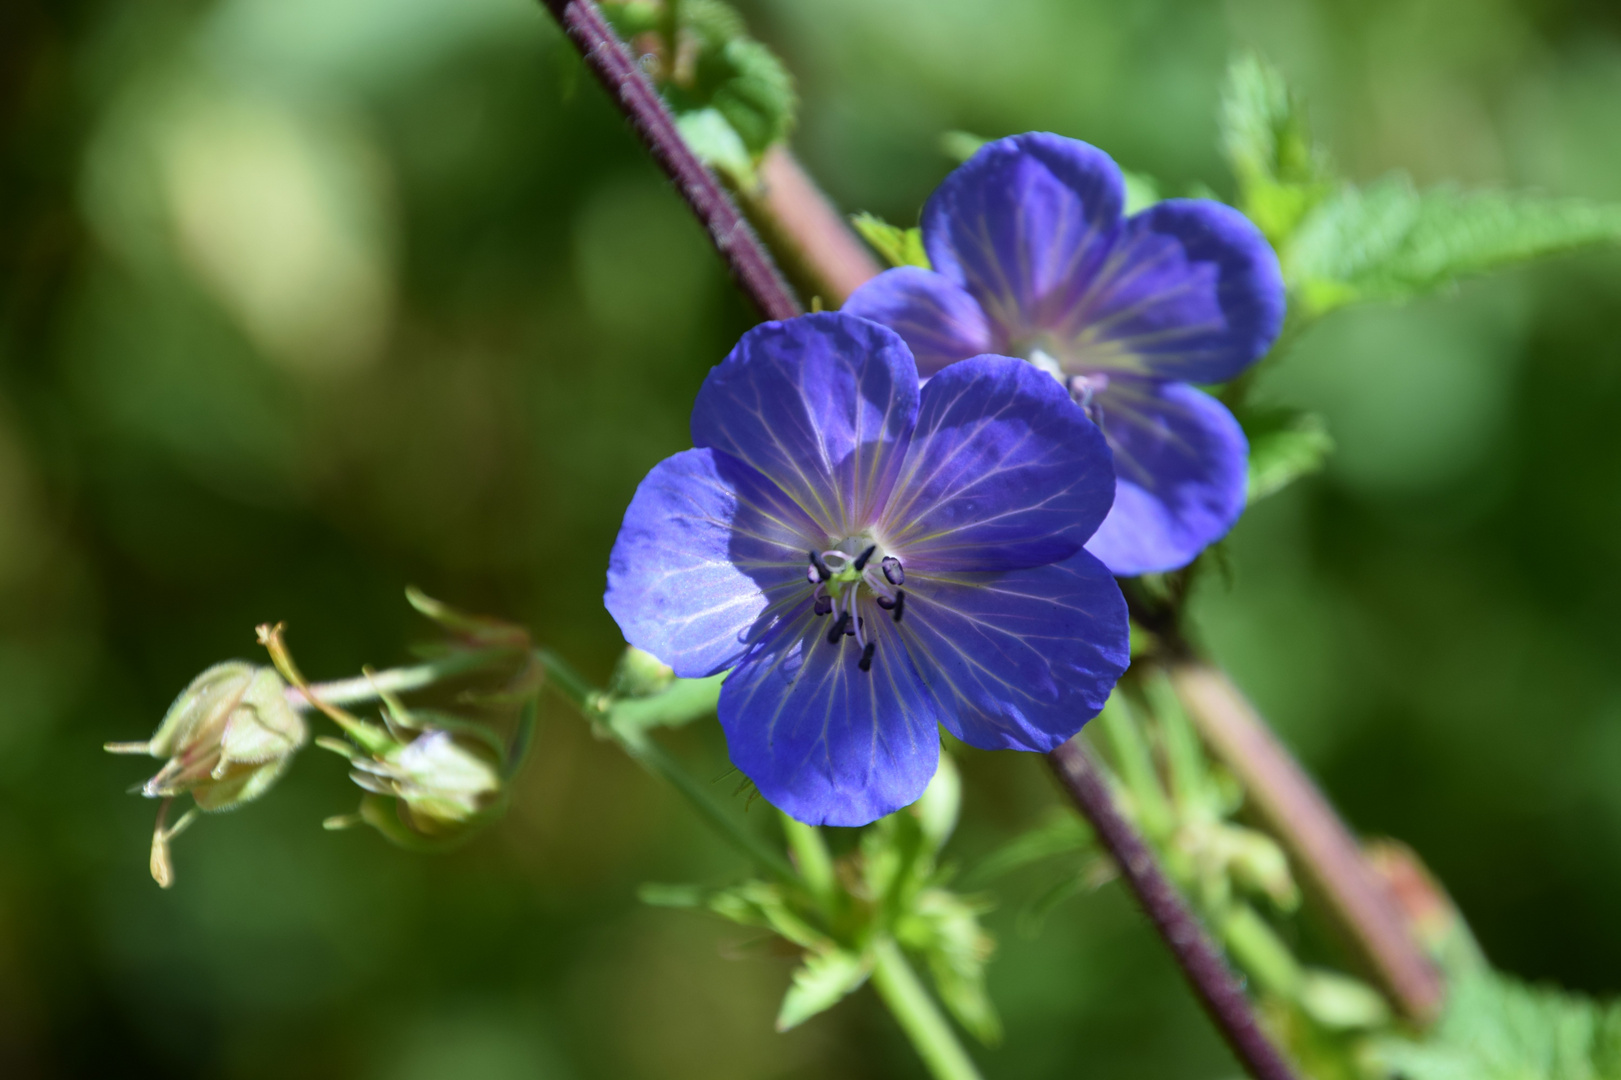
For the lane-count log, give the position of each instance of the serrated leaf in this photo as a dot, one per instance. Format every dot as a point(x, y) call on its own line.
point(1390, 241)
point(757, 903)
point(1496, 1028)
point(717, 144)
point(821, 982)
point(898, 246)
point(944, 928)
point(1285, 446)
point(757, 96)
point(1281, 173)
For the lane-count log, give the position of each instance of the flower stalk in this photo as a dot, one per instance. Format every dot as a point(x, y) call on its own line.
point(635, 96)
point(897, 984)
point(1212, 980)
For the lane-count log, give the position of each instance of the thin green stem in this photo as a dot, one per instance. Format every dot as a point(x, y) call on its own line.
point(918, 1016)
point(592, 704)
point(401, 680)
point(655, 760)
point(814, 862)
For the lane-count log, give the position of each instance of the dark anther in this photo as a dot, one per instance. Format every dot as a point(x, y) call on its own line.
point(861, 560)
point(837, 632)
point(892, 570)
point(850, 631)
point(821, 567)
point(865, 663)
point(886, 603)
point(900, 605)
point(824, 605)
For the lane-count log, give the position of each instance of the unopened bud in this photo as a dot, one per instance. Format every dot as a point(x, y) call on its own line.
point(640, 674)
point(227, 738)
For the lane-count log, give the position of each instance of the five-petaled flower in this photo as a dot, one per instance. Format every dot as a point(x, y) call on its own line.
point(871, 560)
point(1032, 258)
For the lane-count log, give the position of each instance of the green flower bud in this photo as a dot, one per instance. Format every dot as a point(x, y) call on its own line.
point(227, 739)
point(443, 785)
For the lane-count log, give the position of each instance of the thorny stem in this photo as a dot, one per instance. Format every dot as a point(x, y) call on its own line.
point(1201, 962)
point(918, 1016)
point(631, 90)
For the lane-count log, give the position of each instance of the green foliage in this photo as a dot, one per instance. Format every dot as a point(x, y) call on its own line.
point(1281, 173)
point(898, 246)
point(1390, 241)
point(822, 981)
point(1285, 445)
point(1496, 1028)
point(732, 97)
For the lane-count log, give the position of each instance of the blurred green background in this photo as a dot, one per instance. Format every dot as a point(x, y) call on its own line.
point(305, 300)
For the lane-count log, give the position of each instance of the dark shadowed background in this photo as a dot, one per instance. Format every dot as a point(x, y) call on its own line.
point(302, 301)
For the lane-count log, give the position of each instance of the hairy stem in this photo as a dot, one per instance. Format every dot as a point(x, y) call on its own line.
point(631, 90)
point(918, 1016)
point(1324, 850)
point(821, 254)
point(1201, 962)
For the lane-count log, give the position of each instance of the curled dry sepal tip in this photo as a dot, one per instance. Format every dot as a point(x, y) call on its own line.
point(871, 560)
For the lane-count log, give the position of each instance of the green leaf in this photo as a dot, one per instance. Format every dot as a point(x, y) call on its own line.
point(1285, 445)
point(717, 144)
point(758, 903)
point(959, 146)
point(944, 928)
point(1062, 834)
point(898, 246)
point(1390, 241)
point(1281, 173)
point(1496, 1028)
point(822, 981)
point(654, 894)
point(1142, 191)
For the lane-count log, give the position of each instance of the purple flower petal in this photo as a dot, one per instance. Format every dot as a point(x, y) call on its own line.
point(1003, 471)
point(1191, 291)
point(1019, 661)
point(710, 554)
point(823, 740)
point(939, 320)
point(1021, 220)
point(1182, 466)
point(820, 405)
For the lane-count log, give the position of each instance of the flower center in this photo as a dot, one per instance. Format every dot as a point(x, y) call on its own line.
point(1083, 389)
point(841, 575)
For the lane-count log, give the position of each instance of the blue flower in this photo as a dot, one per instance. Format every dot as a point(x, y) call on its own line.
point(871, 560)
point(1033, 258)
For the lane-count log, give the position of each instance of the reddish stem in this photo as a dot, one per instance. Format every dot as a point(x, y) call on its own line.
point(632, 91)
point(1212, 980)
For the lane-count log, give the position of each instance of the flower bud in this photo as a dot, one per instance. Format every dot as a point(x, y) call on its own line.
point(227, 738)
point(443, 785)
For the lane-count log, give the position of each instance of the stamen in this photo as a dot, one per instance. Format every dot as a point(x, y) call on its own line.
point(886, 602)
point(865, 663)
point(854, 629)
point(861, 560)
point(822, 572)
point(892, 570)
point(839, 626)
point(900, 604)
point(824, 604)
